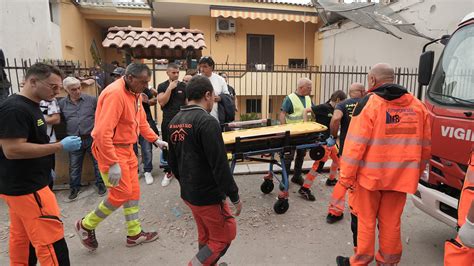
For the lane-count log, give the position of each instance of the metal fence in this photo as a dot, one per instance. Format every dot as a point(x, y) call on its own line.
point(280, 80)
point(252, 81)
point(16, 70)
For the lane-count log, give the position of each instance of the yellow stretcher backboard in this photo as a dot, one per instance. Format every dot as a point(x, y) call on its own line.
point(295, 129)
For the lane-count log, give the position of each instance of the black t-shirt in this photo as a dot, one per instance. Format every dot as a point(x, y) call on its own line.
point(347, 108)
point(177, 99)
point(146, 106)
point(323, 115)
point(21, 117)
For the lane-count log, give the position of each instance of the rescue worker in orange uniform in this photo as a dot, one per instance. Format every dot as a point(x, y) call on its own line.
point(25, 166)
point(386, 151)
point(323, 114)
point(460, 251)
point(119, 120)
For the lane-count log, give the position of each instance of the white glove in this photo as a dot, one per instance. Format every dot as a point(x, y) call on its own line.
point(466, 234)
point(161, 144)
point(115, 173)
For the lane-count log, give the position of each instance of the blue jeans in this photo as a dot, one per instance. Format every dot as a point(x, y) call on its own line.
point(76, 158)
point(147, 153)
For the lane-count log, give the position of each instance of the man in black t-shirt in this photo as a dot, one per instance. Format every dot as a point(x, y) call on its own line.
point(25, 171)
point(322, 114)
point(148, 99)
point(171, 96)
point(343, 113)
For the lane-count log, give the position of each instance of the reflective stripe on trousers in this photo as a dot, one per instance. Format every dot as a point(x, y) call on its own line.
point(130, 210)
point(92, 220)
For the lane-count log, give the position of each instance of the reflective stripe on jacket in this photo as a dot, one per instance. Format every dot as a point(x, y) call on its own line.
point(298, 108)
point(388, 142)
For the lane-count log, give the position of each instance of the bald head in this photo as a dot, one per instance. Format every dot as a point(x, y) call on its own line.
point(379, 74)
point(304, 86)
point(356, 90)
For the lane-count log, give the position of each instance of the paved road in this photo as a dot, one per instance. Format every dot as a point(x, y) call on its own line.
point(299, 237)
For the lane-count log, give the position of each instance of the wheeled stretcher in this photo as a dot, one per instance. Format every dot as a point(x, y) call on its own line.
point(270, 141)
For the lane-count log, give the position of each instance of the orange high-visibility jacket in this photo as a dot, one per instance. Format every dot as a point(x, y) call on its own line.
point(119, 120)
point(467, 193)
point(388, 142)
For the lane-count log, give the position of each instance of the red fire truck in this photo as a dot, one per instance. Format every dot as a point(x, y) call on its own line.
point(450, 100)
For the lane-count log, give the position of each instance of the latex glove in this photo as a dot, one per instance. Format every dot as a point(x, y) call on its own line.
point(115, 173)
point(161, 144)
point(466, 234)
point(330, 141)
point(71, 143)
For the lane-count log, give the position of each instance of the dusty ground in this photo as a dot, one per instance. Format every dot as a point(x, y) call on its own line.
point(299, 237)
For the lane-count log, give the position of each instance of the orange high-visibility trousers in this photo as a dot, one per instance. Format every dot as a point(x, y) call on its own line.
point(35, 218)
point(126, 193)
point(455, 253)
point(330, 152)
point(385, 208)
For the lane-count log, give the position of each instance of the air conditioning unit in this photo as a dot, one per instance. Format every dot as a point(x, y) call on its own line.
point(225, 25)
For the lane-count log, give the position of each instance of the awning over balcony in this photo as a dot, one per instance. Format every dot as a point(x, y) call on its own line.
point(156, 42)
point(264, 14)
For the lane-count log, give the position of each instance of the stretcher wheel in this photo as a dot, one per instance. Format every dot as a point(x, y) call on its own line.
point(281, 206)
point(317, 153)
point(267, 186)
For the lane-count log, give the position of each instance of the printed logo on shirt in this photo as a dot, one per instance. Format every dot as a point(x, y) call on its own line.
point(391, 119)
point(40, 122)
point(178, 136)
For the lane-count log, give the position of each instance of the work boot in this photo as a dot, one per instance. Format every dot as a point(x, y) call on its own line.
point(142, 237)
point(74, 193)
point(148, 178)
point(166, 179)
point(297, 180)
point(101, 189)
point(86, 236)
point(330, 219)
point(343, 261)
point(306, 194)
point(331, 182)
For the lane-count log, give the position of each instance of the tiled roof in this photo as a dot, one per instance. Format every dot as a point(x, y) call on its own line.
point(108, 3)
point(131, 37)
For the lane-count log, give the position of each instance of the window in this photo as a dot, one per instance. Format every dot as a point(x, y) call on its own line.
point(260, 52)
point(297, 63)
point(253, 106)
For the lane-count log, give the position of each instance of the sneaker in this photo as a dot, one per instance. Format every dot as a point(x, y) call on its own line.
point(86, 236)
point(141, 238)
point(166, 179)
point(306, 193)
point(330, 219)
point(148, 178)
point(297, 180)
point(331, 182)
point(101, 189)
point(343, 261)
point(74, 193)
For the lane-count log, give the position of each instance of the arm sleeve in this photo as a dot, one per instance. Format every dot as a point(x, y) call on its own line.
point(361, 127)
point(15, 124)
point(286, 106)
point(214, 149)
point(225, 90)
point(145, 129)
point(107, 116)
point(426, 143)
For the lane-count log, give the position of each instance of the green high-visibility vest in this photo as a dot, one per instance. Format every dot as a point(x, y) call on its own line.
point(298, 107)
